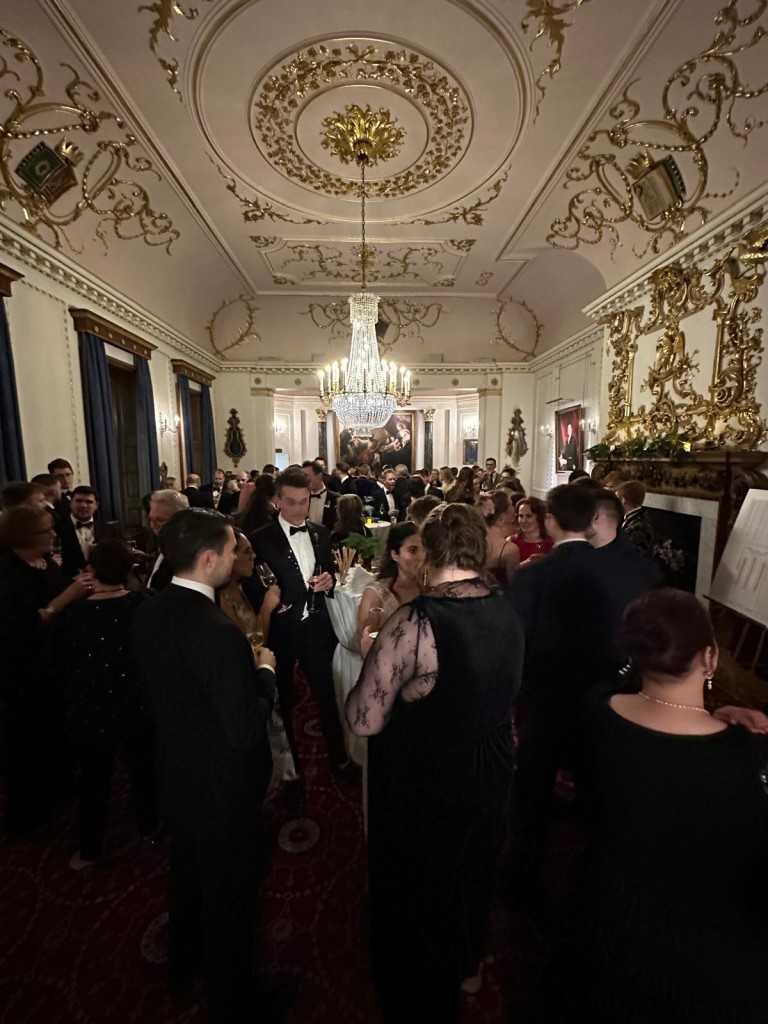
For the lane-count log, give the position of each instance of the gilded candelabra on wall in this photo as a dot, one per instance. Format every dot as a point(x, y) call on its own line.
point(234, 442)
point(36, 177)
point(402, 319)
point(708, 85)
point(517, 444)
point(549, 18)
point(502, 336)
point(728, 411)
point(242, 334)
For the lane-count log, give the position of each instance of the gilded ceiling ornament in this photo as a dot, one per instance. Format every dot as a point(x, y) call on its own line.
point(419, 263)
point(405, 320)
point(471, 214)
point(243, 334)
point(362, 134)
point(164, 12)
point(462, 244)
point(549, 18)
point(35, 179)
point(709, 86)
point(285, 89)
point(265, 241)
point(484, 278)
point(754, 248)
point(502, 337)
point(726, 410)
point(257, 209)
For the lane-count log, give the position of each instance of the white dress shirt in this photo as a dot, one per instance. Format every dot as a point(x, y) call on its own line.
point(316, 506)
point(201, 588)
point(390, 498)
point(158, 562)
point(304, 552)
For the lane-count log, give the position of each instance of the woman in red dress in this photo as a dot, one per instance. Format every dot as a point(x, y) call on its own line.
point(532, 540)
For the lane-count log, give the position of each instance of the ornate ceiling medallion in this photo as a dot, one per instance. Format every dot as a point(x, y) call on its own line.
point(362, 134)
point(703, 93)
point(423, 98)
point(36, 178)
point(549, 17)
point(502, 336)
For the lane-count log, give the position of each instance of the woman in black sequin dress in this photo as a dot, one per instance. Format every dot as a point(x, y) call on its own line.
point(103, 700)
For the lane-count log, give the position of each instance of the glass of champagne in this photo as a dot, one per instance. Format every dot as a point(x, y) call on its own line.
point(268, 579)
point(256, 639)
point(374, 622)
point(312, 599)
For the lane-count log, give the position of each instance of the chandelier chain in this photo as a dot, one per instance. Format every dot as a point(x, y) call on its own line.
point(363, 253)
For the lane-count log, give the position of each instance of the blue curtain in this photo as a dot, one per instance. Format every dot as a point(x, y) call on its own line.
point(12, 464)
point(186, 419)
point(209, 435)
point(149, 459)
point(99, 424)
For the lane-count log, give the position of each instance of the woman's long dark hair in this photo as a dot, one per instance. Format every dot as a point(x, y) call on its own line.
point(259, 510)
point(396, 537)
point(349, 515)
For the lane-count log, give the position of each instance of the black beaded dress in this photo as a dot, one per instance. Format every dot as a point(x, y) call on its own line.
point(670, 918)
point(439, 683)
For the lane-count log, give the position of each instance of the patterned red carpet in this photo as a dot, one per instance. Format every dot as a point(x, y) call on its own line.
point(89, 948)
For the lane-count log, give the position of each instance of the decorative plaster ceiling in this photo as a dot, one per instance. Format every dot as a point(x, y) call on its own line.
point(221, 108)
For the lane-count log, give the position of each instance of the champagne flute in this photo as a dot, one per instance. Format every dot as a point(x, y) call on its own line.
point(374, 622)
point(255, 639)
point(312, 600)
point(268, 579)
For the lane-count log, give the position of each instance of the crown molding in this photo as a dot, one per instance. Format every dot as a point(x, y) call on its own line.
point(576, 345)
point(708, 243)
point(60, 268)
point(91, 323)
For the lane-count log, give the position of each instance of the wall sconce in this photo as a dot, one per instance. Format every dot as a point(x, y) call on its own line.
point(164, 425)
point(589, 426)
point(470, 429)
point(547, 430)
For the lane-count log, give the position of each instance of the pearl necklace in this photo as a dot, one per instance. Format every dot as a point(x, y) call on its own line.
point(669, 704)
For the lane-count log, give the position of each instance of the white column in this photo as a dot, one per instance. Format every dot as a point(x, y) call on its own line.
point(490, 437)
point(261, 448)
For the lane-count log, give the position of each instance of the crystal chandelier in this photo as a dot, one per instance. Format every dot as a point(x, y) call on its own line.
point(363, 390)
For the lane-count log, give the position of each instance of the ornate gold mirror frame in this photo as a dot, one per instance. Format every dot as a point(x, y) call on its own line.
point(729, 412)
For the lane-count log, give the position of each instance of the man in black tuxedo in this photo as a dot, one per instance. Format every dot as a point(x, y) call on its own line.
point(331, 482)
point(322, 502)
point(490, 476)
point(196, 497)
point(163, 506)
point(386, 506)
point(64, 473)
point(346, 483)
point(299, 554)
point(570, 604)
point(215, 488)
point(211, 704)
point(80, 529)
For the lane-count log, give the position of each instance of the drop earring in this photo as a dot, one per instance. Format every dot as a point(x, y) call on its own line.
point(708, 684)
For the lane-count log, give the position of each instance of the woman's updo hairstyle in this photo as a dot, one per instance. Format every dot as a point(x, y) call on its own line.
point(664, 630)
point(455, 535)
point(492, 505)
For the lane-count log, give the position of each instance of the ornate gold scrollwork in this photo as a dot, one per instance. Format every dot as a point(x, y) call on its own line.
point(729, 412)
point(713, 80)
point(406, 319)
point(164, 12)
point(362, 134)
point(243, 334)
point(472, 213)
point(101, 189)
point(408, 262)
point(550, 23)
point(501, 337)
point(438, 97)
point(257, 209)
point(484, 278)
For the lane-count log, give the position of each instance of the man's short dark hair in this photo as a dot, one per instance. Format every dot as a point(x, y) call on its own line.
point(316, 468)
point(59, 464)
point(575, 474)
point(490, 458)
point(343, 467)
point(305, 464)
point(18, 492)
point(573, 508)
point(269, 468)
point(291, 478)
point(190, 532)
point(85, 489)
point(44, 480)
point(607, 503)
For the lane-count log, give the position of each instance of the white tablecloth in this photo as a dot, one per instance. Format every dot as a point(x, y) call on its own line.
point(347, 660)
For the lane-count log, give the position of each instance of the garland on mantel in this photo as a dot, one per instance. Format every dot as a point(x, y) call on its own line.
point(676, 447)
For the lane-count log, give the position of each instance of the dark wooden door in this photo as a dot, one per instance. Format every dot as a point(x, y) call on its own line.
point(123, 382)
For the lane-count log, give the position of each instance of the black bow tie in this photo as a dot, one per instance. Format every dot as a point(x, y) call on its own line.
point(85, 526)
point(298, 529)
point(318, 495)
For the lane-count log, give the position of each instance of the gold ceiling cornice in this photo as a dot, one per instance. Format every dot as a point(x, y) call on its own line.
point(88, 322)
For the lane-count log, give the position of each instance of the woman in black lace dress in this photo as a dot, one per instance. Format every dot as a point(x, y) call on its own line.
point(436, 701)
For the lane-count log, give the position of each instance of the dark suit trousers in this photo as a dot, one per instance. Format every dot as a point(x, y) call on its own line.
point(97, 764)
point(312, 646)
point(212, 894)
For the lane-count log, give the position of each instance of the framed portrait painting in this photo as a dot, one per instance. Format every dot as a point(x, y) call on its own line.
point(391, 445)
point(470, 451)
point(569, 448)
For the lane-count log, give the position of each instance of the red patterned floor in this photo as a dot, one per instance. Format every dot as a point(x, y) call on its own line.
point(81, 949)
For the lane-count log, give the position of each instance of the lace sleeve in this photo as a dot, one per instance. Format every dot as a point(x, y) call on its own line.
point(403, 660)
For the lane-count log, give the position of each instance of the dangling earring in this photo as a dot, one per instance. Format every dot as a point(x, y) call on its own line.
point(424, 580)
point(708, 683)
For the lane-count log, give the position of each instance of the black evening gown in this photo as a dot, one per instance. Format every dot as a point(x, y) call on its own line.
point(438, 787)
point(670, 917)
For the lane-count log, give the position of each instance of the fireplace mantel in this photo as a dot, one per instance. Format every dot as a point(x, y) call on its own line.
point(723, 475)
